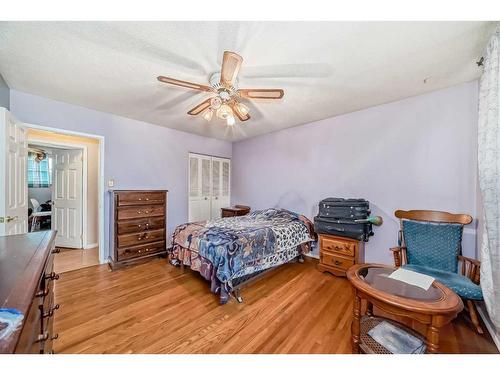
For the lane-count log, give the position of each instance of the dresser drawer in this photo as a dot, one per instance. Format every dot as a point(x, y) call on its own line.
point(337, 246)
point(139, 251)
point(140, 212)
point(140, 198)
point(140, 225)
point(336, 261)
point(141, 238)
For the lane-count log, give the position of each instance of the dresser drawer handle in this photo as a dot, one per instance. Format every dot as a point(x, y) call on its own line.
point(51, 311)
point(52, 276)
point(55, 337)
point(147, 212)
point(42, 293)
point(43, 337)
point(145, 237)
point(139, 212)
point(338, 263)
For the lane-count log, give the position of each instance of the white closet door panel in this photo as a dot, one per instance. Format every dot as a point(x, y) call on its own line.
point(199, 187)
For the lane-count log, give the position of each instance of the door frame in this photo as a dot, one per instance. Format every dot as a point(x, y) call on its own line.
point(73, 146)
point(101, 181)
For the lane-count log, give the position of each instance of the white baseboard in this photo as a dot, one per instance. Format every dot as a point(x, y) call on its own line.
point(91, 246)
point(495, 335)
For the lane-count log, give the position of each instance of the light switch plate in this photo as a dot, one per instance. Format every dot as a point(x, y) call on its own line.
point(111, 183)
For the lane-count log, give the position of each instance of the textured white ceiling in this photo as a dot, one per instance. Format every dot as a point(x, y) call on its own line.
point(325, 68)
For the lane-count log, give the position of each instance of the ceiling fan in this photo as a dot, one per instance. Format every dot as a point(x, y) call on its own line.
point(226, 96)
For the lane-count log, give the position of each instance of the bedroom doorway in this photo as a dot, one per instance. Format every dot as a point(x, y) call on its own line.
point(209, 186)
point(63, 194)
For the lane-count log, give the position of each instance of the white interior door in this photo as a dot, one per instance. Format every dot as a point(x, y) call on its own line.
point(225, 197)
point(199, 187)
point(220, 185)
point(67, 197)
point(13, 175)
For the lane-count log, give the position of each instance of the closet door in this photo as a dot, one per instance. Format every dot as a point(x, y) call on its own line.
point(199, 187)
point(220, 185)
point(225, 199)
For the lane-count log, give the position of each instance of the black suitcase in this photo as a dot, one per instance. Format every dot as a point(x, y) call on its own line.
point(343, 228)
point(339, 208)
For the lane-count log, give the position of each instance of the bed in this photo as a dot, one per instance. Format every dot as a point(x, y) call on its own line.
point(232, 251)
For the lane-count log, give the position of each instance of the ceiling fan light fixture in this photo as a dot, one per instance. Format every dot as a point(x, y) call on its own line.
point(224, 112)
point(215, 103)
point(242, 109)
point(208, 114)
point(230, 120)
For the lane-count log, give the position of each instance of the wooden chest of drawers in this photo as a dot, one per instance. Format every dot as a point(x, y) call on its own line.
point(26, 284)
point(138, 227)
point(337, 254)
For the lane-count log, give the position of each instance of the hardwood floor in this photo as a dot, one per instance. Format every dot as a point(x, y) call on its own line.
point(156, 308)
point(74, 259)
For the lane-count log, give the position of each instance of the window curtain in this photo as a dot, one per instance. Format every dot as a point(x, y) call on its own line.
point(489, 176)
point(39, 172)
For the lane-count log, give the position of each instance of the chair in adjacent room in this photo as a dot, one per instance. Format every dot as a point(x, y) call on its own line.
point(37, 214)
point(430, 242)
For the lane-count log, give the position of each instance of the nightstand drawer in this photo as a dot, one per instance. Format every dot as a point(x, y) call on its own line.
point(332, 245)
point(336, 261)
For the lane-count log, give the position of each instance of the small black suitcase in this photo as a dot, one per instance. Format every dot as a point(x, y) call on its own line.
point(343, 228)
point(340, 208)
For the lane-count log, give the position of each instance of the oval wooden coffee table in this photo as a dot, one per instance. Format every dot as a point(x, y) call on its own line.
point(435, 307)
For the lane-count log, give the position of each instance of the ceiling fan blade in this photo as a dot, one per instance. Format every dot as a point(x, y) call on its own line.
point(261, 93)
point(189, 85)
point(237, 112)
point(200, 107)
point(231, 64)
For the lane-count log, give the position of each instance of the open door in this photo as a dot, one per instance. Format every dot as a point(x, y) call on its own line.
point(13, 176)
point(67, 198)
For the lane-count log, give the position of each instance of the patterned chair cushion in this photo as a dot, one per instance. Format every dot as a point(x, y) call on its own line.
point(461, 285)
point(435, 245)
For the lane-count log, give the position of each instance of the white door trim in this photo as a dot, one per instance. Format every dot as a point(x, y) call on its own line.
point(101, 188)
point(75, 146)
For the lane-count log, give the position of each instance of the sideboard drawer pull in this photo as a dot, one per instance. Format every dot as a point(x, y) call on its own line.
point(52, 276)
point(42, 293)
point(43, 337)
point(51, 311)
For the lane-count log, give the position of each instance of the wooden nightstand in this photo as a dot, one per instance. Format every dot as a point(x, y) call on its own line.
point(237, 210)
point(337, 254)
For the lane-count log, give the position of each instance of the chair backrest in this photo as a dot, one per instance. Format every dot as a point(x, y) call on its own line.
point(36, 204)
point(432, 238)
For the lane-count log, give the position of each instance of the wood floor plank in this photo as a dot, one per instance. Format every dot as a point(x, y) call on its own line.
point(156, 308)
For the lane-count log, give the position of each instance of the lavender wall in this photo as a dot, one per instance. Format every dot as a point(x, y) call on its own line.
point(417, 153)
point(138, 155)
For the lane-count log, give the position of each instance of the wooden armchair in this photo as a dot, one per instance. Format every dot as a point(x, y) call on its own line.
point(430, 243)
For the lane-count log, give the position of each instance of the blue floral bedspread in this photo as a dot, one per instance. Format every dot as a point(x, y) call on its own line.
point(229, 248)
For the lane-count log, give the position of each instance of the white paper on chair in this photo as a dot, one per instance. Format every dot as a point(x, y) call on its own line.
point(413, 278)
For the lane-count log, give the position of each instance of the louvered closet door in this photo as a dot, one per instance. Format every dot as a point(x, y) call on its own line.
point(199, 187)
point(220, 185)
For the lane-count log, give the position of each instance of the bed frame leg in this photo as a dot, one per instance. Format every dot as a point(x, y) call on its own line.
point(237, 295)
point(300, 259)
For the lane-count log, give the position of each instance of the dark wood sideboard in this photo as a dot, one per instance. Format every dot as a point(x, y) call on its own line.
point(138, 226)
point(26, 284)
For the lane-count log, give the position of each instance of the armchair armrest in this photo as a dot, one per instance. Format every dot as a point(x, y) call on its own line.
point(470, 268)
point(399, 254)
